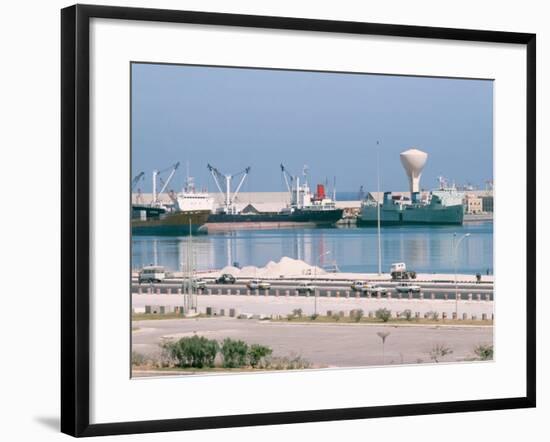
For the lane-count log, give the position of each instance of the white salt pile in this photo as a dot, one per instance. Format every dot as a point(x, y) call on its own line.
point(285, 268)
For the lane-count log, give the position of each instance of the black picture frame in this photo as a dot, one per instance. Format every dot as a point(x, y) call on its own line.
point(75, 212)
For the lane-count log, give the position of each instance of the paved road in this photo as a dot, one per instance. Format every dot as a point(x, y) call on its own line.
point(439, 292)
point(327, 345)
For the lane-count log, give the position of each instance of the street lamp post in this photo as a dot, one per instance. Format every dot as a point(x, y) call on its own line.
point(455, 252)
point(315, 277)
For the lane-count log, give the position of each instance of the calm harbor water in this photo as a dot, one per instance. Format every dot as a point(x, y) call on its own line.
point(424, 249)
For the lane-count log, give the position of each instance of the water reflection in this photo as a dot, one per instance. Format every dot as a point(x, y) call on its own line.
point(424, 249)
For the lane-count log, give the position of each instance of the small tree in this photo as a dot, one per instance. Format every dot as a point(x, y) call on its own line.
point(257, 352)
point(383, 336)
point(297, 312)
point(407, 314)
point(439, 351)
point(234, 353)
point(484, 352)
point(383, 314)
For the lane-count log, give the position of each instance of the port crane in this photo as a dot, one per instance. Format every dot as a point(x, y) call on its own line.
point(164, 183)
point(229, 206)
point(136, 179)
point(294, 190)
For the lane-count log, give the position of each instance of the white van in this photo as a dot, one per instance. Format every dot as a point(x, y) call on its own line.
point(152, 274)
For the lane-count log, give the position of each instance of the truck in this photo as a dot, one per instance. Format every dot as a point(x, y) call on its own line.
point(399, 272)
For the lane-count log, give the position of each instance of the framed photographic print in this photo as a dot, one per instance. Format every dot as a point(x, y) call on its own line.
point(273, 220)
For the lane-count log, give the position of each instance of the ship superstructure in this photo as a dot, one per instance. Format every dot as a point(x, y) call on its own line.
point(442, 206)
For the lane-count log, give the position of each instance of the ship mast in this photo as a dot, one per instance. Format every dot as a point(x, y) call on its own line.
point(378, 207)
point(218, 176)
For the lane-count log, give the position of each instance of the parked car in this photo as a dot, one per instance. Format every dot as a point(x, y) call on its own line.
point(305, 287)
point(198, 283)
point(152, 274)
point(258, 284)
point(365, 287)
point(359, 286)
point(378, 289)
point(226, 278)
point(406, 287)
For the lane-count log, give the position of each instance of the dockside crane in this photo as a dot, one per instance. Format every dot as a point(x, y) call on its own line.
point(164, 183)
point(226, 187)
point(137, 179)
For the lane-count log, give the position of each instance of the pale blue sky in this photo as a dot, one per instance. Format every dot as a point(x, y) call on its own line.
point(233, 118)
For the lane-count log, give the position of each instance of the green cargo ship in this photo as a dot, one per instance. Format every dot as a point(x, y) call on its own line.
point(443, 207)
point(148, 220)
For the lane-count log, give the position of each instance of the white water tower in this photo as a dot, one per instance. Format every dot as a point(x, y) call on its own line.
point(413, 161)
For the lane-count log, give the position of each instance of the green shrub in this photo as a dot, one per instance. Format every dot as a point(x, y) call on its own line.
point(258, 352)
point(314, 316)
point(138, 359)
point(195, 351)
point(407, 314)
point(234, 353)
point(297, 312)
point(358, 314)
point(383, 314)
point(439, 351)
point(484, 352)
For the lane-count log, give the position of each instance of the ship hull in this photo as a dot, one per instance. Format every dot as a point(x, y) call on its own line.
point(270, 220)
point(444, 215)
point(172, 224)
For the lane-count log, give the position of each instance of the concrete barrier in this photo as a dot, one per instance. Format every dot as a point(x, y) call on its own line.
point(328, 293)
point(257, 292)
point(487, 297)
point(432, 295)
point(446, 296)
point(337, 294)
point(399, 295)
point(347, 293)
point(277, 292)
point(247, 292)
point(357, 294)
point(158, 290)
point(169, 291)
point(469, 296)
point(478, 296)
point(287, 293)
point(378, 295)
point(410, 295)
point(296, 293)
point(149, 290)
point(421, 295)
point(219, 291)
point(459, 296)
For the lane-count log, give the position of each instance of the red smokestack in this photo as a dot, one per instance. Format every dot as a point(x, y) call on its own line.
point(320, 191)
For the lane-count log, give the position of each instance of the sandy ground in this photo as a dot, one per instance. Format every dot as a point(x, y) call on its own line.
point(325, 345)
point(283, 305)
